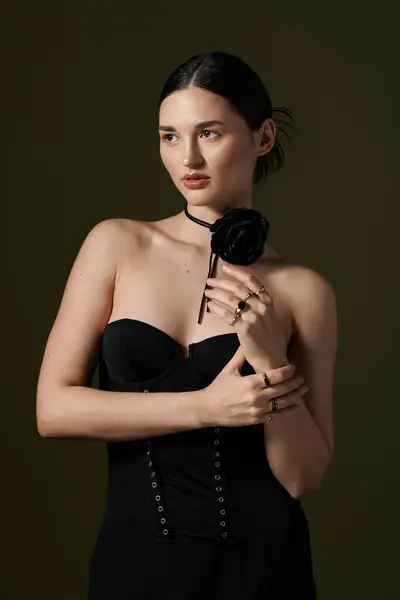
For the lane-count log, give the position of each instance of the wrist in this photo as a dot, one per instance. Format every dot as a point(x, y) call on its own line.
point(269, 363)
point(203, 410)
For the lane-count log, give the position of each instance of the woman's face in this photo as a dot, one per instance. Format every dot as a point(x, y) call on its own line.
point(226, 151)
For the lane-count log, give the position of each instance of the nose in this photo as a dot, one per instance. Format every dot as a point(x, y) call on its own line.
point(192, 156)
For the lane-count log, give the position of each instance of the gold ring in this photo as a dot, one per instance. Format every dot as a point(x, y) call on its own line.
point(274, 406)
point(262, 288)
point(241, 307)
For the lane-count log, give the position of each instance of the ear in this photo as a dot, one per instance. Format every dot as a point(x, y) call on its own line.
point(267, 134)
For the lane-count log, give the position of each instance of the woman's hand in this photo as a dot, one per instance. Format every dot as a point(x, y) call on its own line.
point(258, 328)
point(234, 400)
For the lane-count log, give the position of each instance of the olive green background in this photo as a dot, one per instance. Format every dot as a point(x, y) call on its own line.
point(79, 140)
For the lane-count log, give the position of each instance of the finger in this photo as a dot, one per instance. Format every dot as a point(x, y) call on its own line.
point(284, 386)
point(236, 362)
point(224, 289)
point(281, 389)
point(268, 417)
point(278, 375)
point(287, 400)
point(228, 294)
point(245, 277)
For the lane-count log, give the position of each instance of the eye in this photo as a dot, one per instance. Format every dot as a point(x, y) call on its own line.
point(166, 136)
point(209, 131)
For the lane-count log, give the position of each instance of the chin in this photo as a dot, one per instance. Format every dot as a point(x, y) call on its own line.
point(198, 197)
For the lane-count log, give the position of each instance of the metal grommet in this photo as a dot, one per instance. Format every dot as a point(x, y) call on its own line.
point(158, 497)
point(160, 508)
point(217, 477)
point(153, 474)
point(145, 391)
point(217, 454)
point(222, 511)
point(216, 442)
point(162, 520)
point(221, 499)
point(154, 484)
point(222, 523)
point(165, 531)
point(224, 534)
point(218, 488)
point(216, 430)
point(217, 463)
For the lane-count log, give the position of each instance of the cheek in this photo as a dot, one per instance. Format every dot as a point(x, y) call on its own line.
point(234, 160)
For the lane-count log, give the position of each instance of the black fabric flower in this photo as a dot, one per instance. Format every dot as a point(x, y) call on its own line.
point(239, 236)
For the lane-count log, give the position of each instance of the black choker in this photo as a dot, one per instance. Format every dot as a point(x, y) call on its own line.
point(238, 237)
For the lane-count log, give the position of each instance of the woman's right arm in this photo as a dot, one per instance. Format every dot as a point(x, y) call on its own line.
point(66, 405)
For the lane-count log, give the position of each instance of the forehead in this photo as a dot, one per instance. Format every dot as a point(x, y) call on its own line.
point(194, 104)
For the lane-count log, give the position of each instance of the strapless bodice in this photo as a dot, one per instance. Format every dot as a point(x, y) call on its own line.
point(138, 352)
point(214, 482)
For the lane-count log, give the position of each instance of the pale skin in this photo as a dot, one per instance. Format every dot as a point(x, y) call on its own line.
point(299, 443)
point(148, 256)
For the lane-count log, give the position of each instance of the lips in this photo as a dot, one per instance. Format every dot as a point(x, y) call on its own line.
point(196, 183)
point(196, 177)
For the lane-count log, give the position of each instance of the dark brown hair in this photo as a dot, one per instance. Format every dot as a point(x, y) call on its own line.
point(232, 78)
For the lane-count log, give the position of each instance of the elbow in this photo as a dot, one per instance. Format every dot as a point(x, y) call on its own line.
point(301, 491)
point(308, 486)
point(304, 488)
point(44, 426)
point(46, 421)
point(45, 431)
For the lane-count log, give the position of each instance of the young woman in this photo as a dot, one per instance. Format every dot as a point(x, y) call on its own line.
point(212, 436)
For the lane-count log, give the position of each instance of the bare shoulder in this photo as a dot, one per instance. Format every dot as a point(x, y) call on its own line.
point(305, 293)
point(133, 231)
point(295, 284)
point(112, 232)
point(72, 346)
point(313, 305)
point(125, 230)
point(302, 284)
point(128, 237)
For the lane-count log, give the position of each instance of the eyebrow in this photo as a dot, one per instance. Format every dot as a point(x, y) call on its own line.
point(201, 125)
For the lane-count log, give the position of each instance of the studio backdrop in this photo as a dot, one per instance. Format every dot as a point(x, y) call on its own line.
point(79, 133)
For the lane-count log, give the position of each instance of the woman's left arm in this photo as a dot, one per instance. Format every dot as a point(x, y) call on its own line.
point(299, 442)
point(299, 439)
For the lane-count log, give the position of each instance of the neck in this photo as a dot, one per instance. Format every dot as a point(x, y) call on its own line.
point(196, 233)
